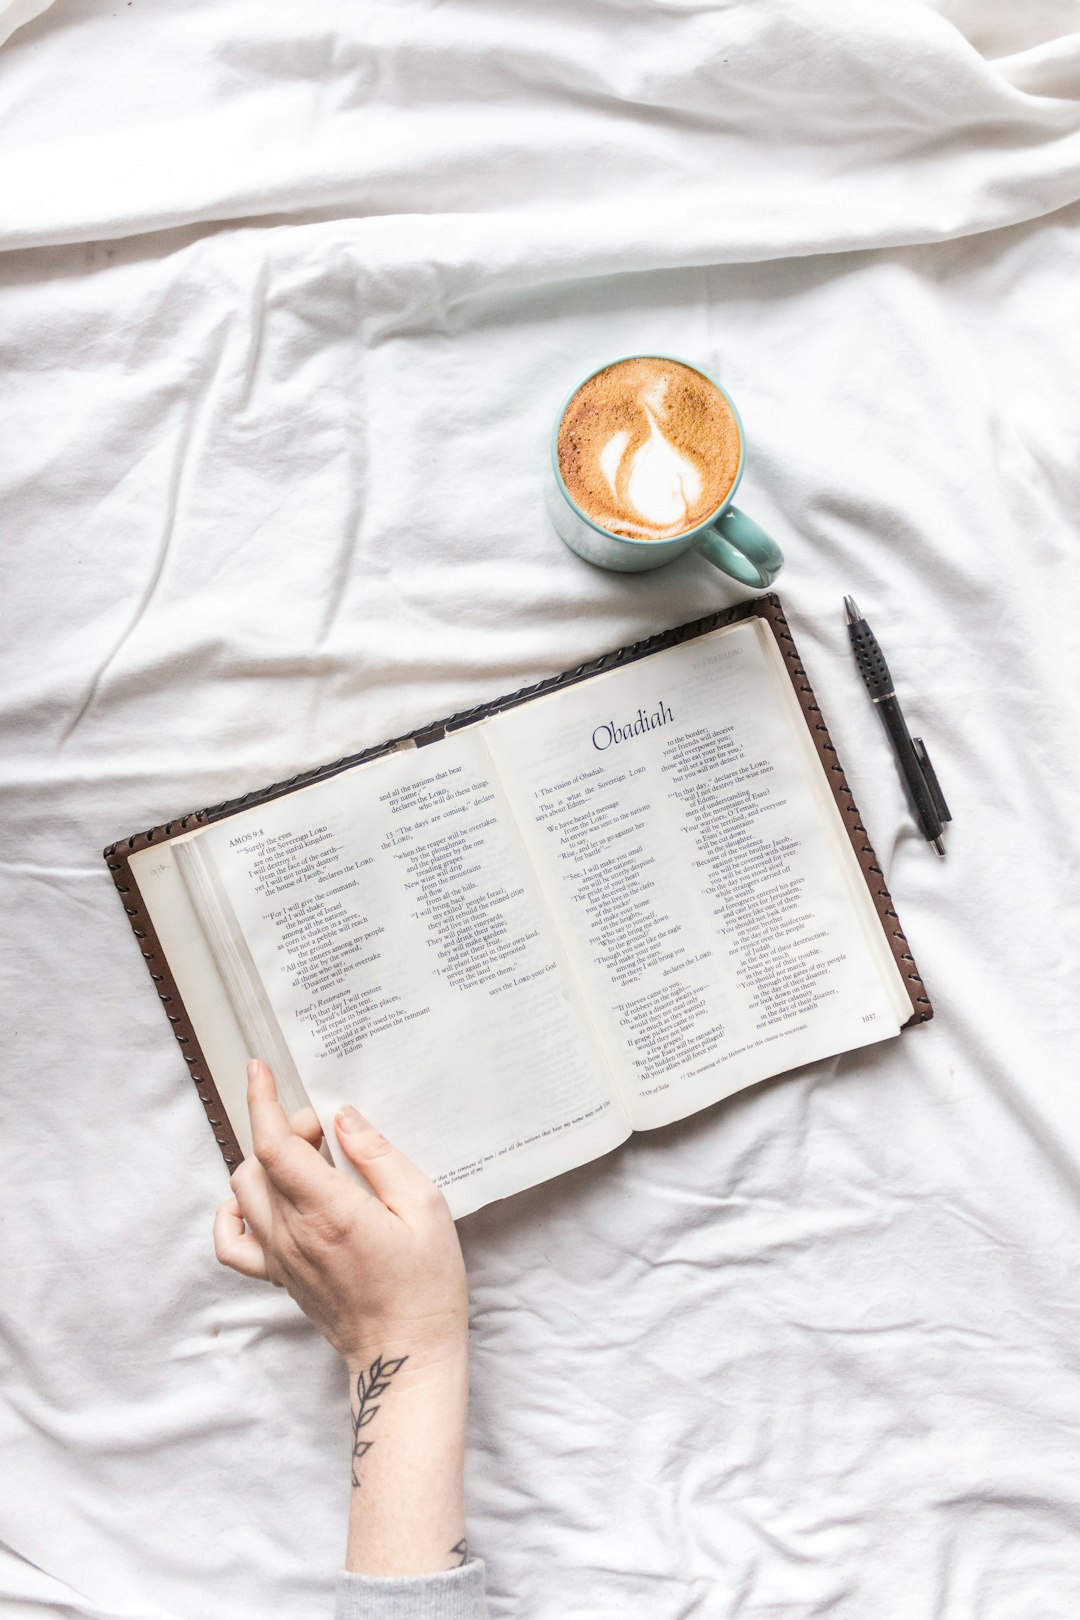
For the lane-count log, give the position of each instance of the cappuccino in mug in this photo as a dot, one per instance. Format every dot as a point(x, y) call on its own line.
point(648, 448)
point(646, 456)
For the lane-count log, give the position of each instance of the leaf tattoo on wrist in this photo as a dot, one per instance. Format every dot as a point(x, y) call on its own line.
point(460, 1551)
point(368, 1389)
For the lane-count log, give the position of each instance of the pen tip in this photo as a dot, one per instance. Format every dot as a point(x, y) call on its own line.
point(938, 845)
point(851, 607)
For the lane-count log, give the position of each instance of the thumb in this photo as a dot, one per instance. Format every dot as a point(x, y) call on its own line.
point(393, 1178)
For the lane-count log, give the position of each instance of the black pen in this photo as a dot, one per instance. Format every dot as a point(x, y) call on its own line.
point(923, 789)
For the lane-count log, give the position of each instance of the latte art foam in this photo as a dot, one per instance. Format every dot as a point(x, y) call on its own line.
point(648, 448)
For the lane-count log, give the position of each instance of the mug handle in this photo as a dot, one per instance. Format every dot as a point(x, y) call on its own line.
point(735, 543)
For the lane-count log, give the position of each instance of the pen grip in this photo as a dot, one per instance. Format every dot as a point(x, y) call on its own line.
point(910, 768)
point(870, 660)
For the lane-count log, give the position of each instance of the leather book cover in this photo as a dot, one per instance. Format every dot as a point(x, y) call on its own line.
point(766, 607)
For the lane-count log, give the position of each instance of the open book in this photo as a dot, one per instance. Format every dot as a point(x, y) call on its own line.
point(514, 939)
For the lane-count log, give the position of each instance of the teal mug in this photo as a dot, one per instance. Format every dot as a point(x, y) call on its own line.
point(726, 537)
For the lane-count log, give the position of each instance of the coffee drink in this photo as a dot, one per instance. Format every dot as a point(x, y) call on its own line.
point(649, 448)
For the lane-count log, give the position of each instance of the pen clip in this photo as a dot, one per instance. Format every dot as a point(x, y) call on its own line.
point(933, 786)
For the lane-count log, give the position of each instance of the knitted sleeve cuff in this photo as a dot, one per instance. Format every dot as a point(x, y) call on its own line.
point(451, 1594)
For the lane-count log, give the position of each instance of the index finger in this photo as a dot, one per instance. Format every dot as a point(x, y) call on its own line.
point(292, 1165)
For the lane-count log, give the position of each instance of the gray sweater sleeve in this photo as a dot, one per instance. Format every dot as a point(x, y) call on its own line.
point(452, 1594)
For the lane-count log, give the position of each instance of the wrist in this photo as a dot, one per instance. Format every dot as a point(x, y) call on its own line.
point(430, 1347)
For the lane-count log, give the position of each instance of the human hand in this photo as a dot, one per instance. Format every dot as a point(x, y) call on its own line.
point(373, 1270)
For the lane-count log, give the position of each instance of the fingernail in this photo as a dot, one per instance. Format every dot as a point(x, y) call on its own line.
point(253, 1068)
point(349, 1119)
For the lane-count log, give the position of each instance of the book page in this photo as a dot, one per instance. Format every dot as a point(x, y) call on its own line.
point(697, 866)
point(407, 956)
point(183, 941)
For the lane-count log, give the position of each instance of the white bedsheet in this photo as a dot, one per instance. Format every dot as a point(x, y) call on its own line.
point(288, 297)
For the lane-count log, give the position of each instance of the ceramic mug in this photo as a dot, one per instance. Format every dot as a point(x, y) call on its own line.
point(726, 537)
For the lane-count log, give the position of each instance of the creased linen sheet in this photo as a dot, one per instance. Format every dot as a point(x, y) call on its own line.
point(288, 299)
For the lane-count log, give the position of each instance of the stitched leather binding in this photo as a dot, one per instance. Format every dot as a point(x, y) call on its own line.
point(767, 607)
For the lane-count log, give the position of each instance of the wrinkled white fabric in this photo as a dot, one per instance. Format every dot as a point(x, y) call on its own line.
point(288, 299)
point(13, 13)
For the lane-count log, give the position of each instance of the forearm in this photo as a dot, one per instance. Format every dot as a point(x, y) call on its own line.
point(379, 1271)
point(407, 1502)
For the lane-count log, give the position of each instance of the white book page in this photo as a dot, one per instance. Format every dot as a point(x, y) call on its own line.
point(183, 941)
point(406, 953)
point(703, 884)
